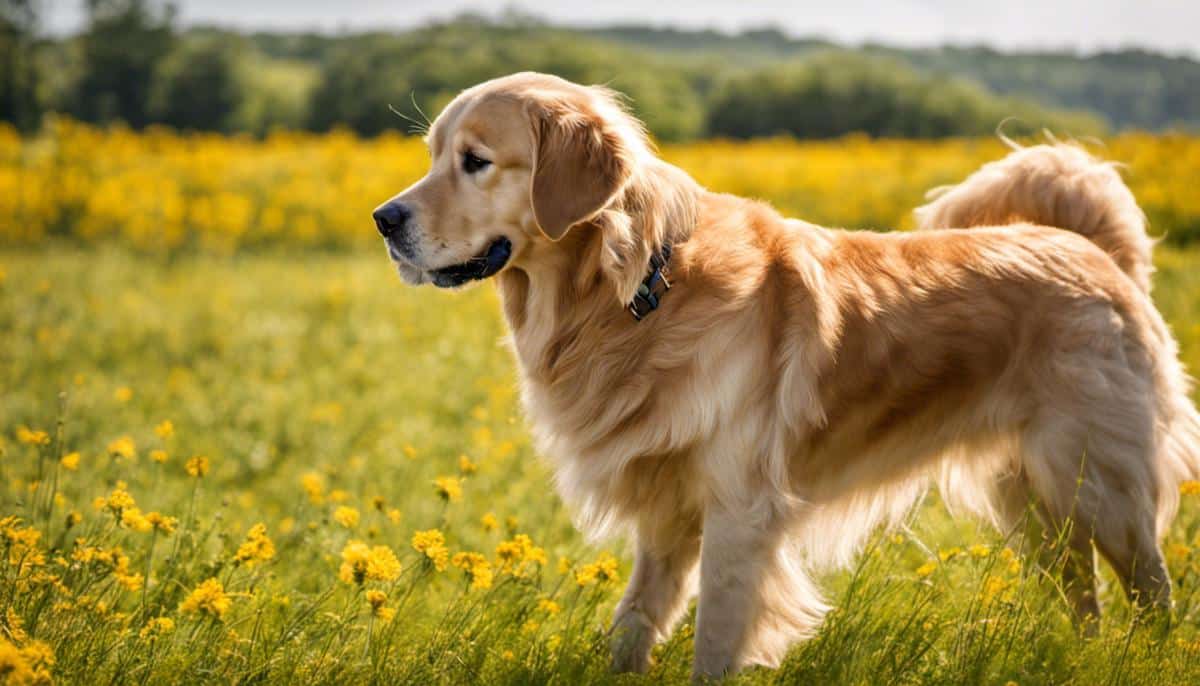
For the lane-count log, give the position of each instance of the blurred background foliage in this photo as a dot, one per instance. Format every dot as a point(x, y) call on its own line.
point(134, 63)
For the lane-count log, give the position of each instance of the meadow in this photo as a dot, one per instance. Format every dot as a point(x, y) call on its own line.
point(235, 449)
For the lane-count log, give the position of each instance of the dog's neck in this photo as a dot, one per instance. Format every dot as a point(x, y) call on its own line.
point(559, 289)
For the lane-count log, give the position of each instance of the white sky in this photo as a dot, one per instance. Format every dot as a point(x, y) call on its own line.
point(1087, 25)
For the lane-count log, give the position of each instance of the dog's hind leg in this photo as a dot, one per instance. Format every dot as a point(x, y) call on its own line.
point(1095, 481)
point(1066, 554)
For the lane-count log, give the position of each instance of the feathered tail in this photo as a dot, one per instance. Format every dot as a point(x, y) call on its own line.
point(1057, 185)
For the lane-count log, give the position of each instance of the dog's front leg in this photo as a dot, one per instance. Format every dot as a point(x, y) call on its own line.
point(661, 583)
point(735, 553)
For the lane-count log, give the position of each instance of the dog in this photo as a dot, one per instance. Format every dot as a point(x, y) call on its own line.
point(750, 396)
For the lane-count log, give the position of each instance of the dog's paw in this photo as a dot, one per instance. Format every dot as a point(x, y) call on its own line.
point(631, 640)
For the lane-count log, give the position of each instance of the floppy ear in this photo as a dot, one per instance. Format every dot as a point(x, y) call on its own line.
point(579, 165)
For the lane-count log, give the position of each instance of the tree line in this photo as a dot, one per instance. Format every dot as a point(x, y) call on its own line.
point(132, 63)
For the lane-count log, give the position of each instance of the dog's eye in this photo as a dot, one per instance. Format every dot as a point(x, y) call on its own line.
point(473, 163)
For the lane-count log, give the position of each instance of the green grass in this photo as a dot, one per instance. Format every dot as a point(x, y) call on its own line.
point(277, 366)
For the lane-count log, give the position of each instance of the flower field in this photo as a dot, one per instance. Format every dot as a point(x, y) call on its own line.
point(160, 191)
point(248, 460)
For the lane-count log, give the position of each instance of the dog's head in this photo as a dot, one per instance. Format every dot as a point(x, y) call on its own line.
point(515, 162)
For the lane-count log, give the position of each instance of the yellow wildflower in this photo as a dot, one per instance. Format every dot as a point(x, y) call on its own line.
point(165, 429)
point(156, 627)
point(394, 516)
point(257, 547)
point(123, 447)
point(70, 461)
point(564, 565)
point(379, 608)
point(119, 499)
point(314, 486)
point(130, 581)
point(208, 598)
point(159, 455)
point(448, 488)
point(197, 466)
point(26, 665)
point(162, 523)
point(32, 436)
point(466, 466)
point(548, 606)
point(123, 394)
point(945, 555)
point(926, 569)
point(994, 588)
point(489, 522)
point(73, 518)
point(346, 516)
point(22, 542)
point(602, 571)
point(1189, 488)
point(979, 550)
point(410, 451)
point(361, 563)
point(515, 554)
point(478, 569)
point(432, 544)
point(132, 518)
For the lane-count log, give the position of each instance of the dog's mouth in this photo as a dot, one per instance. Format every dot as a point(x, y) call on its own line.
point(483, 265)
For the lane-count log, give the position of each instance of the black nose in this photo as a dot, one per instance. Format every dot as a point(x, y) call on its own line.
point(391, 217)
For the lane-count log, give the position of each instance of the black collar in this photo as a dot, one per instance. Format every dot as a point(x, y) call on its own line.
point(654, 286)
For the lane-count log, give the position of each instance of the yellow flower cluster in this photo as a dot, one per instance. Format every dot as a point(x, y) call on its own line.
point(362, 563)
point(157, 627)
point(123, 447)
point(25, 665)
point(346, 516)
point(448, 488)
point(432, 544)
point(161, 190)
point(197, 466)
point(21, 541)
point(379, 609)
point(209, 598)
point(257, 547)
point(113, 559)
point(477, 568)
point(32, 436)
point(314, 487)
point(602, 571)
point(519, 555)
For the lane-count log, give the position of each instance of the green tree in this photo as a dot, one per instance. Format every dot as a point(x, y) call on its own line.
point(834, 93)
point(121, 49)
point(18, 73)
point(195, 87)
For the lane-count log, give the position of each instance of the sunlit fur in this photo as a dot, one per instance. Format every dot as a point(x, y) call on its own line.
point(800, 385)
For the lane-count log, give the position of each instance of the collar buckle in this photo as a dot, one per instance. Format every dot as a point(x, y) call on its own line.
point(653, 287)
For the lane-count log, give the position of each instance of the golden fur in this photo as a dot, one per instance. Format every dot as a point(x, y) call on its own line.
point(801, 385)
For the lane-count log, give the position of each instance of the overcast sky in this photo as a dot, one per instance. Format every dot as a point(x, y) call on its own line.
point(1087, 25)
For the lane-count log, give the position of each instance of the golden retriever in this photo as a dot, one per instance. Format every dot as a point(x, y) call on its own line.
point(796, 386)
